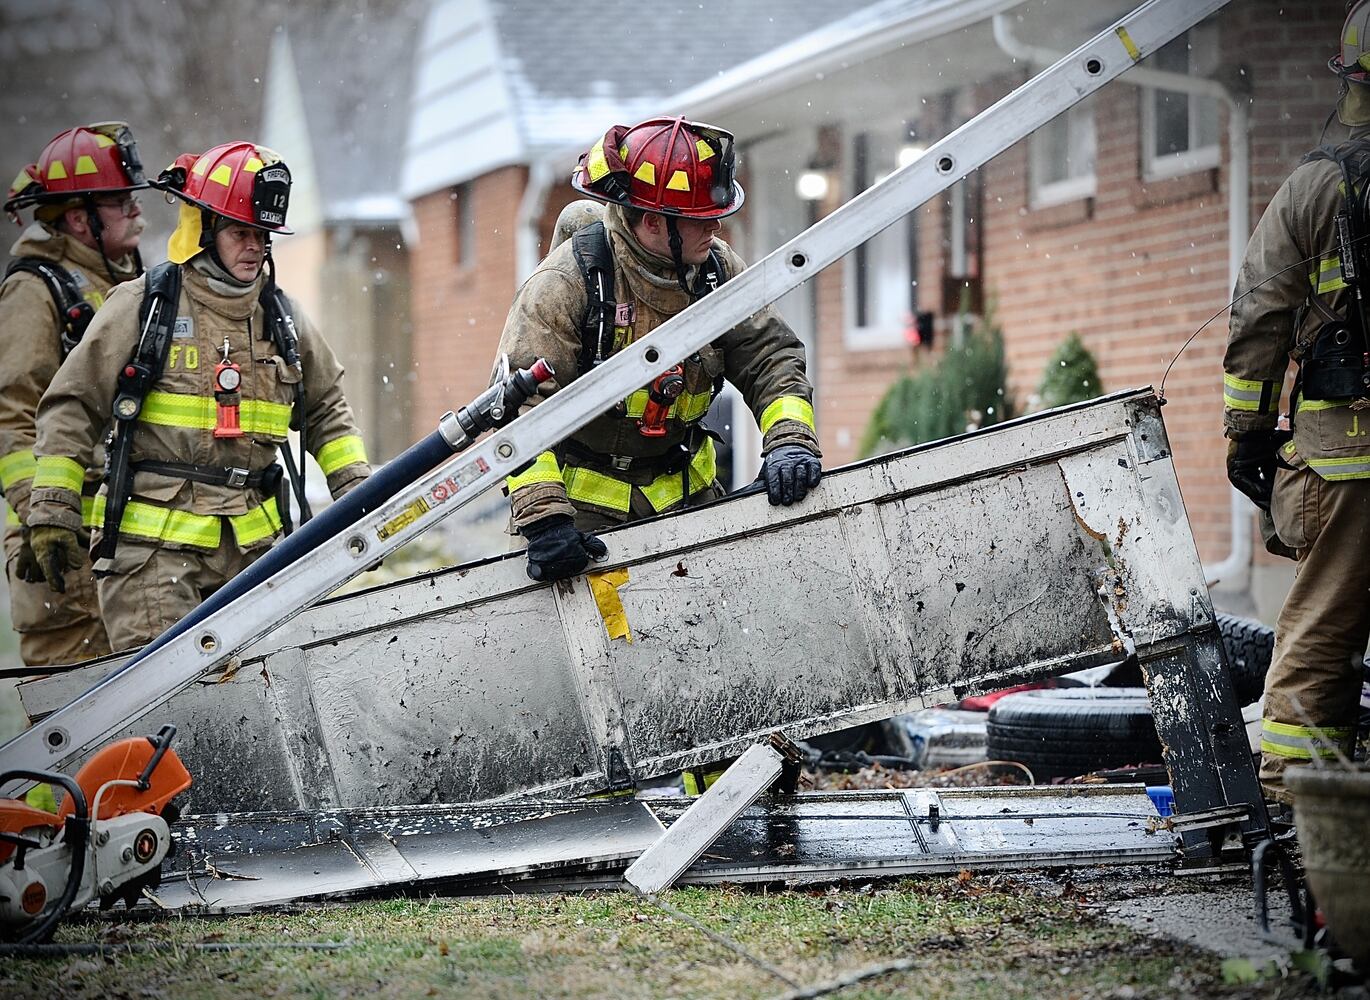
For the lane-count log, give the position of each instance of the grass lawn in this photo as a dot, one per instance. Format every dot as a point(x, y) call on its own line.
point(992, 937)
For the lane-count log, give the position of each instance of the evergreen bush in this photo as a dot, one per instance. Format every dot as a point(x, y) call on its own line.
point(964, 390)
point(1070, 376)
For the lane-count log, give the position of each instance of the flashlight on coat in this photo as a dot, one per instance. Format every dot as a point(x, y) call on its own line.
point(661, 395)
point(228, 397)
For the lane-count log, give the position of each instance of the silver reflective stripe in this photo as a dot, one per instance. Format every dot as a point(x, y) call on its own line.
point(1339, 468)
point(1301, 742)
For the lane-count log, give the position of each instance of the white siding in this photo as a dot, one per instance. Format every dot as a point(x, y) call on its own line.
point(463, 122)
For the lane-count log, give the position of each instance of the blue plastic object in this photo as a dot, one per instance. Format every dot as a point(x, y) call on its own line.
point(1163, 798)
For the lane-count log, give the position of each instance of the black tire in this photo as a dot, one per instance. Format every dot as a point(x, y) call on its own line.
point(1064, 732)
point(1249, 646)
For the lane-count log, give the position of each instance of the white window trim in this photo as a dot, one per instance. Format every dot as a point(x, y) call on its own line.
point(864, 338)
point(1159, 168)
point(1062, 191)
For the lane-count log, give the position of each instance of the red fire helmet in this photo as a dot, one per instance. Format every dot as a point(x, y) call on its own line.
point(666, 165)
point(237, 180)
point(89, 159)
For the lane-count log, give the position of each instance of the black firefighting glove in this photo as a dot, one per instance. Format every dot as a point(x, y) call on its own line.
point(26, 565)
point(57, 550)
point(1251, 462)
point(557, 549)
point(790, 471)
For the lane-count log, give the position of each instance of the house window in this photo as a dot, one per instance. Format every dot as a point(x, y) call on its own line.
point(1180, 132)
point(464, 221)
point(1061, 158)
point(883, 271)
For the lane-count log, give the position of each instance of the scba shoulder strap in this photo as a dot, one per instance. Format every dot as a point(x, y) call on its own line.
point(595, 258)
point(73, 311)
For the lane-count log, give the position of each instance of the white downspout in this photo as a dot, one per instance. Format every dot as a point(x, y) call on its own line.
point(526, 255)
point(1234, 571)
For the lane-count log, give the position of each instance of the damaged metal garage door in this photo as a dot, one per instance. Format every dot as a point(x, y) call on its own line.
point(1047, 544)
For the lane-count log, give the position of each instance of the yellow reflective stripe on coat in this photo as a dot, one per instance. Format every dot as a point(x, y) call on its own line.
point(1303, 742)
point(181, 527)
point(12, 517)
point(543, 470)
point(57, 472)
point(1313, 405)
point(1328, 277)
point(589, 486)
point(175, 409)
point(688, 406)
point(666, 491)
point(16, 467)
point(340, 453)
point(1251, 395)
point(257, 524)
point(1337, 469)
point(787, 408)
point(88, 512)
point(268, 419)
point(663, 492)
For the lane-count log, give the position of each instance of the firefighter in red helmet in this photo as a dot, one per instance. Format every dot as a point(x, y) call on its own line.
point(83, 240)
point(666, 183)
point(195, 377)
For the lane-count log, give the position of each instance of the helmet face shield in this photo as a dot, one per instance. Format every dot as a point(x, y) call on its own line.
point(127, 149)
point(725, 173)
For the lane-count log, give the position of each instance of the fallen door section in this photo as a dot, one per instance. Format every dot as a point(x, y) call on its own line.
point(234, 863)
point(1047, 544)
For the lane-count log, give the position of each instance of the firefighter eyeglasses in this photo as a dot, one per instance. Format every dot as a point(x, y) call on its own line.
point(126, 204)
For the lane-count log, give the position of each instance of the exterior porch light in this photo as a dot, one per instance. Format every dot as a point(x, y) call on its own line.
point(910, 152)
point(812, 185)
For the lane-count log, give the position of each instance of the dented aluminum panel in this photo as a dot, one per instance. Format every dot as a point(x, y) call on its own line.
point(1047, 544)
point(234, 863)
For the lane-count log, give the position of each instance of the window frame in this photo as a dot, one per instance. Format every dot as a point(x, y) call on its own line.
point(1068, 189)
point(873, 337)
point(1195, 158)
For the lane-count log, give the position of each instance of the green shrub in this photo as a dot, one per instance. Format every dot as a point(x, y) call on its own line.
point(965, 389)
point(1071, 375)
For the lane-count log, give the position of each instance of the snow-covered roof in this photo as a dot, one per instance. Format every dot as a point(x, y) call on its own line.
point(501, 82)
point(352, 80)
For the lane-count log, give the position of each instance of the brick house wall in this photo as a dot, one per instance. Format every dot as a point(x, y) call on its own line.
point(459, 299)
point(1135, 268)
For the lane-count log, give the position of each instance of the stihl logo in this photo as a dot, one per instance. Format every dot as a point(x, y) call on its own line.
point(34, 897)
